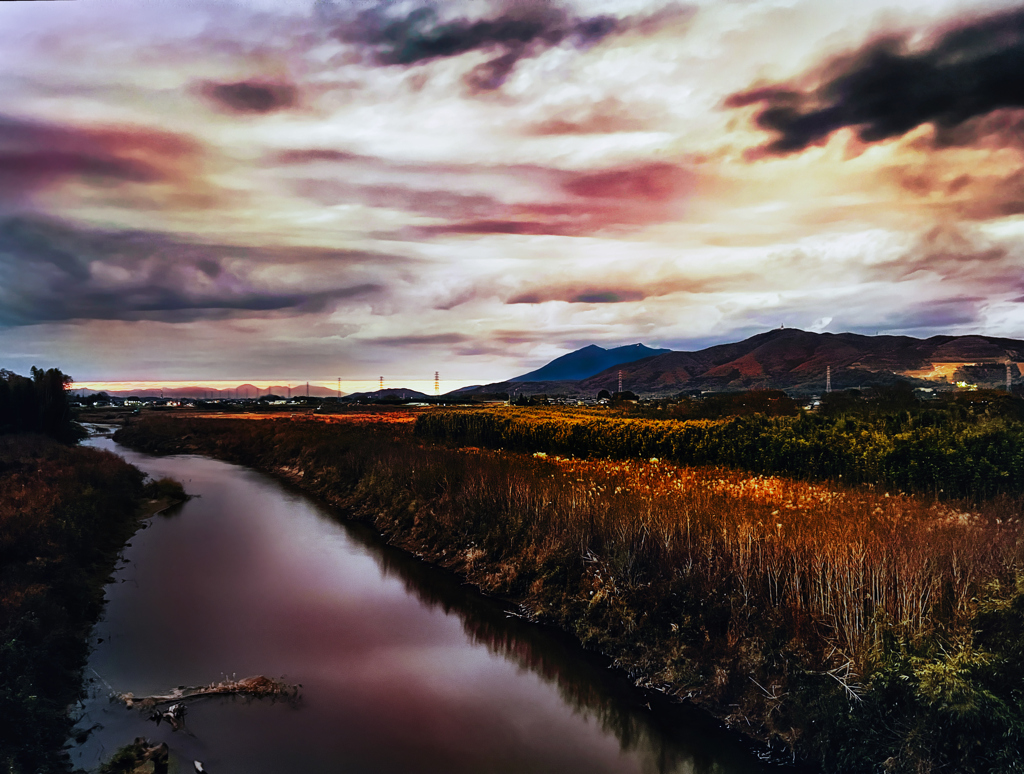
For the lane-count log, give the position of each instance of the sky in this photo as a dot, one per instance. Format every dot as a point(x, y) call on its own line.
point(282, 191)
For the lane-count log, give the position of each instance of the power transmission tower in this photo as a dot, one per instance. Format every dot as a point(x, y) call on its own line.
point(437, 383)
point(620, 381)
point(828, 378)
point(382, 383)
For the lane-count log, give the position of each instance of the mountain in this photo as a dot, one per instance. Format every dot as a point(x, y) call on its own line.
point(790, 358)
point(401, 393)
point(212, 393)
point(587, 362)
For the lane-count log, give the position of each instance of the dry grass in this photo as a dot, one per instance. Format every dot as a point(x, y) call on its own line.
point(360, 417)
point(780, 604)
point(851, 561)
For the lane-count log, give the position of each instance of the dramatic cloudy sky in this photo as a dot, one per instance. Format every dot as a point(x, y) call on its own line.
point(299, 190)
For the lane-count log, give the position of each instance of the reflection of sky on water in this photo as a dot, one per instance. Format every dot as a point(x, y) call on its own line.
point(403, 669)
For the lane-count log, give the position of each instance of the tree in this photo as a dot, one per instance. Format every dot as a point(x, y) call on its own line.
point(39, 404)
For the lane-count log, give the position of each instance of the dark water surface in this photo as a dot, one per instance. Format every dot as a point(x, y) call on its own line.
point(403, 669)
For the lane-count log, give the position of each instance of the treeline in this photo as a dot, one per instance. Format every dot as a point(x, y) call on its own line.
point(65, 512)
point(36, 405)
point(933, 452)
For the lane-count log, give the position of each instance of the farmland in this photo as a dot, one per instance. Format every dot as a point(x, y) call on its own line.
point(959, 450)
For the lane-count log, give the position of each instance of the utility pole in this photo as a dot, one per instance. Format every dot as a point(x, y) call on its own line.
point(307, 389)
point(339, 388)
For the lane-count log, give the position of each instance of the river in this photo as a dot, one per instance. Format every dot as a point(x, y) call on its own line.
point(403, 668)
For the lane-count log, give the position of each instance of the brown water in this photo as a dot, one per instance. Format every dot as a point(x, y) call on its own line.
point(403, 669)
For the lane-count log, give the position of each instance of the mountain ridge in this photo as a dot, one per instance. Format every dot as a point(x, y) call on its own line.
point(588, 361)
point(797, 360)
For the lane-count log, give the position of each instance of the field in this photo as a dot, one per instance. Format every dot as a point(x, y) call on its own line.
point(860, 627)
point(973, 450)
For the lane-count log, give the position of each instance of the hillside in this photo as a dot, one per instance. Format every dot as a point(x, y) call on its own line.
point(587, 362)
point(792, 359)
point(389, 393)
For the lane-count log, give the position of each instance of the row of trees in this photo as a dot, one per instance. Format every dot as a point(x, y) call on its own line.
point(938, 453)
point(36, 404)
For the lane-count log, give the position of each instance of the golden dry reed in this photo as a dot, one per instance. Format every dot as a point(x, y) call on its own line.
point(853, 562)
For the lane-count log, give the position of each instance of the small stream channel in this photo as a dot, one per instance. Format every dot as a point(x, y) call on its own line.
point(403, 669)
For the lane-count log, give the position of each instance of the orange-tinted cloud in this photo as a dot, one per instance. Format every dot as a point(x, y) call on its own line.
point(605, 117)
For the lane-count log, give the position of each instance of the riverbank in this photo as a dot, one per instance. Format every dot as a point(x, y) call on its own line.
point(760, 599)
point(65, 513)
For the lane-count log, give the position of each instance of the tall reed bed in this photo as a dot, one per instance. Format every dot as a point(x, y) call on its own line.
point(849, 564)
point(867, 629)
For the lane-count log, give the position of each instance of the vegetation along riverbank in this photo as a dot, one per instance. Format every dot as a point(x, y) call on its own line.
point(65, 513)
point(861, 628)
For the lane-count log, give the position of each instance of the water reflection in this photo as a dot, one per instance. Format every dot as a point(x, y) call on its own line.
point(672, 737)
point(403, 668)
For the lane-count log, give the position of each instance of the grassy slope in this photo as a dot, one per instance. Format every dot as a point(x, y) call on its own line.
point(869, 632)
point(65, 512)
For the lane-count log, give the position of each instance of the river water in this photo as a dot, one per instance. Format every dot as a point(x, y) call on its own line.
point(403, 669)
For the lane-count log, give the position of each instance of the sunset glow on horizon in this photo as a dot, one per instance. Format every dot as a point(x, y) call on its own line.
point(298, 388)
point(347, 188)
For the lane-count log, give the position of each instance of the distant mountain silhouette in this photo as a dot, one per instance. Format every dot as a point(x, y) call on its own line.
point(789, 358)
point(587, 362)
point(390, 393)
point(200, 391)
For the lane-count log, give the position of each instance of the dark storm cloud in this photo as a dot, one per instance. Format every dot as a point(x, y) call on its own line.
point(521, 30)
point(51, 271)
point(890, 87)
point(251, 96)
point(36, 155)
